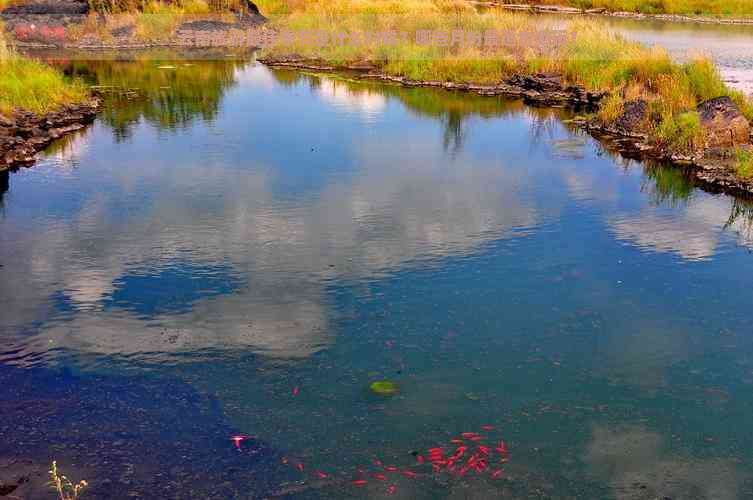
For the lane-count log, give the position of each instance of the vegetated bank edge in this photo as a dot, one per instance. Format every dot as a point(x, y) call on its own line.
point(713, 169)
point(37, 106)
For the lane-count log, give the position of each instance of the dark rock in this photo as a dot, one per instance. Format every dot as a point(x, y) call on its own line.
point(48, 7)
point(123, 31)
point(252, 8)
point(634, 118)
point(538, 83)
point(28, 133)
point(7, 489)
point(723, 123)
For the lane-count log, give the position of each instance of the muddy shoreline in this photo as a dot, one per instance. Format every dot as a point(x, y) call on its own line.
point(24, 134)
point(713, 170)
point(676, 18)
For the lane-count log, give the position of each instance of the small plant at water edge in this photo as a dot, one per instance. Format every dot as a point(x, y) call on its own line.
point(744, 164)
point(65, 489)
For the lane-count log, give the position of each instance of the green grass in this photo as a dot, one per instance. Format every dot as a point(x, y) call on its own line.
point(742, 8)
point(744, 163)
point(611, 108)
point(32, 85)
point(681, 132)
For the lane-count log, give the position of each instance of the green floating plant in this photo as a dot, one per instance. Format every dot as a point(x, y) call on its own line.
point(384, 388)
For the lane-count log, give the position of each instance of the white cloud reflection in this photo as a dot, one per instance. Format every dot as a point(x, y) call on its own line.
point(403, 204)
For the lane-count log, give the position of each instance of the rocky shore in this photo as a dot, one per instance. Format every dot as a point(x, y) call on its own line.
point(726, 130)
point(24, 134)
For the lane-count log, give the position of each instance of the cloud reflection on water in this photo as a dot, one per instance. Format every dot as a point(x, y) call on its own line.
point(404, 203)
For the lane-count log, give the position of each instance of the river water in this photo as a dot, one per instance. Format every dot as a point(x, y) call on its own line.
point(242, 251)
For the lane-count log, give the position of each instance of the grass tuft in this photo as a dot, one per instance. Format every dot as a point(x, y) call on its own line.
point(744, 163)
point(63, 486)
point(32, 85)
point(681, 133)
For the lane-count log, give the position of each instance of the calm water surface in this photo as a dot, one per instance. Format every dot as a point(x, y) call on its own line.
point(243, 251)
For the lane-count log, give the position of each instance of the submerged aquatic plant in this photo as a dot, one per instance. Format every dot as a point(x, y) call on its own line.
point(65, 489)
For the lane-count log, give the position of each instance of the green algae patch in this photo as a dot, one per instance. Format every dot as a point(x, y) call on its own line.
point(384, 388)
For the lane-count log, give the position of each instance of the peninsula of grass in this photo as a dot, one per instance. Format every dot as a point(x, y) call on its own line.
point(739, 8)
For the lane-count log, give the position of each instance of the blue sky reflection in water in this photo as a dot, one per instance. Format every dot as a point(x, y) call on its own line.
point(315, 233)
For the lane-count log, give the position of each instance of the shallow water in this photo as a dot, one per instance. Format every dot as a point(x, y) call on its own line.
point(245, 256)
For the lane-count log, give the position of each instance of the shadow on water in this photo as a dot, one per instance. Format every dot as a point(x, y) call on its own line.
point(133, 436)
point(4, 184)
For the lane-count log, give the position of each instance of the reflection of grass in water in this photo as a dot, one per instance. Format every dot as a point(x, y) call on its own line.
point(666, 185)
point(168, 97)
point(426, 101)
point(741, 212)
point(452, 108)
